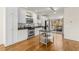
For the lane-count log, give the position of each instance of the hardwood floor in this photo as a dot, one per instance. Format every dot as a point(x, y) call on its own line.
point(33, 45)
point(2, 47)
point(70, 45)
point(29, 45)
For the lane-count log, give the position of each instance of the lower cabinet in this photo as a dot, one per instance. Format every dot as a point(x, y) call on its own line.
point(22, 35)
point(37, 31)
point(58, 41)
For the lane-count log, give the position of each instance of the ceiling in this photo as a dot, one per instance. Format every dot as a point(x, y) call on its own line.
point(48, 11)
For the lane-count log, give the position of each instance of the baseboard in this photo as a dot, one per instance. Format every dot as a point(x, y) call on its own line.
point(71, 39)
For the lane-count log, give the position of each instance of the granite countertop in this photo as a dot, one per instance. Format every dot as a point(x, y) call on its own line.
point(58, 32)
point(28, 27)
point(46, 30)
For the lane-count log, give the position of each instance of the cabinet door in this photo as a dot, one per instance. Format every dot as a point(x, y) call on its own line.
point(14, 24)
point(37, 31)
point(58, 41)
point(22, 15)
point(8, 27)
point(11, 25)
point(22, 35)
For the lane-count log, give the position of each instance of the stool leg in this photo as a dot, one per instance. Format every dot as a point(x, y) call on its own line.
point(39, 39)
point(46, 41)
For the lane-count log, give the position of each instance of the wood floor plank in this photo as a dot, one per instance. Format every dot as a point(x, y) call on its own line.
point(2, 47)
point(33, 45)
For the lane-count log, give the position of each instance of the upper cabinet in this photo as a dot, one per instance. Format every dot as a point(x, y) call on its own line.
point(22, 15)
point(29, 18)
point(26, 16)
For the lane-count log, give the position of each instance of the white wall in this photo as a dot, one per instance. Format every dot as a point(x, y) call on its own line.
point(2, 25)
point(71, 23)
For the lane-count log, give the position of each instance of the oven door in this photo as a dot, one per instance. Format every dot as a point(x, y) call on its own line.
point(31, 33)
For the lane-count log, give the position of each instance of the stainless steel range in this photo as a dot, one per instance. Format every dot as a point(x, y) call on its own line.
point(31, 32)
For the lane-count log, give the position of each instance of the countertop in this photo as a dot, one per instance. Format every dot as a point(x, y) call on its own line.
point(28, 27)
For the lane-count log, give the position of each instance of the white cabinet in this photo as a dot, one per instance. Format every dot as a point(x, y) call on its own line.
point(22, 15)
point(35, 19)
point(43, 18)
point(37, 31)
point(22, 34)
point(11, 25)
